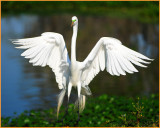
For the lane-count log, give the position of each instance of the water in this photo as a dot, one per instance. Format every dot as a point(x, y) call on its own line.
point(25, 87)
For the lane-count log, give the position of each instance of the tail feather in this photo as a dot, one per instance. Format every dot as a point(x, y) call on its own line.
point(82, 102)
point(86, 91)
point(60, 100)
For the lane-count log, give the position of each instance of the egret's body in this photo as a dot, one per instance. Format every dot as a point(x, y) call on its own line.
point(49, 49)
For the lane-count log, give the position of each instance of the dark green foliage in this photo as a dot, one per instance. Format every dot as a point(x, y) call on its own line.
point(108, 111)
point(143, 11)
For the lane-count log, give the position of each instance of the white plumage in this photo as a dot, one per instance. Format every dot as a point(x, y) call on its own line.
point(109, 53)
point(48, 49)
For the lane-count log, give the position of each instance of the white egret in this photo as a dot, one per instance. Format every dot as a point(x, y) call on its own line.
point(49, 49)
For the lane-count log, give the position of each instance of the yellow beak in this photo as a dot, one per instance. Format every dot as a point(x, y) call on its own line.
point(72, 23)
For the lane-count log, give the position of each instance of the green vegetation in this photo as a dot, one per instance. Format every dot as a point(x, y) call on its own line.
point(101, 111)
point(143, 11)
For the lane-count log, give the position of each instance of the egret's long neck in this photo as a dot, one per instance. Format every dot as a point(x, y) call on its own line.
point(73, 44)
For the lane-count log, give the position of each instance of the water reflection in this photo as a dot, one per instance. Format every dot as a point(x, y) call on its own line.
point(25, 87)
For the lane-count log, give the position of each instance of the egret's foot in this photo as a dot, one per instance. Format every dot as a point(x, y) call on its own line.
point(78, 119)
point(60, 120)
point(64, 116)
point(66, 112)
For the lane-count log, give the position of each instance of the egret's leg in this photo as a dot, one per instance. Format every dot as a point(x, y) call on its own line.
point(78, 112)
point(79, 92)
point(69, 90)
point(66, 110)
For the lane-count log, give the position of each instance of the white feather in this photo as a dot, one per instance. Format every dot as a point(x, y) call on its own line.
point(46, 50)
point(49, 49)
point(117, 65)
point(118, 59)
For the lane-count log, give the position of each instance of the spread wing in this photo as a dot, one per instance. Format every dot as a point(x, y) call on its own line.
point(47, 49)
point(109, 53)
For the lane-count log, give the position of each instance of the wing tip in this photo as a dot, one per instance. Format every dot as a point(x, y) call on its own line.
point(19, 47)
point(13, 40)
point(146, 58)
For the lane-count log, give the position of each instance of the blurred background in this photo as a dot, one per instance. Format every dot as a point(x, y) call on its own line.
point(25, 87)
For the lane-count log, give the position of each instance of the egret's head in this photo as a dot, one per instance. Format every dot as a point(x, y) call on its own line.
point(74, 21)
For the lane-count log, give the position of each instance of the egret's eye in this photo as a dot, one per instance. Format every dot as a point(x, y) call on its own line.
point(73, 20)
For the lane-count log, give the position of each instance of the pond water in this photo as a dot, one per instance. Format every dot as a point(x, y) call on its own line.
point(25, 87)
